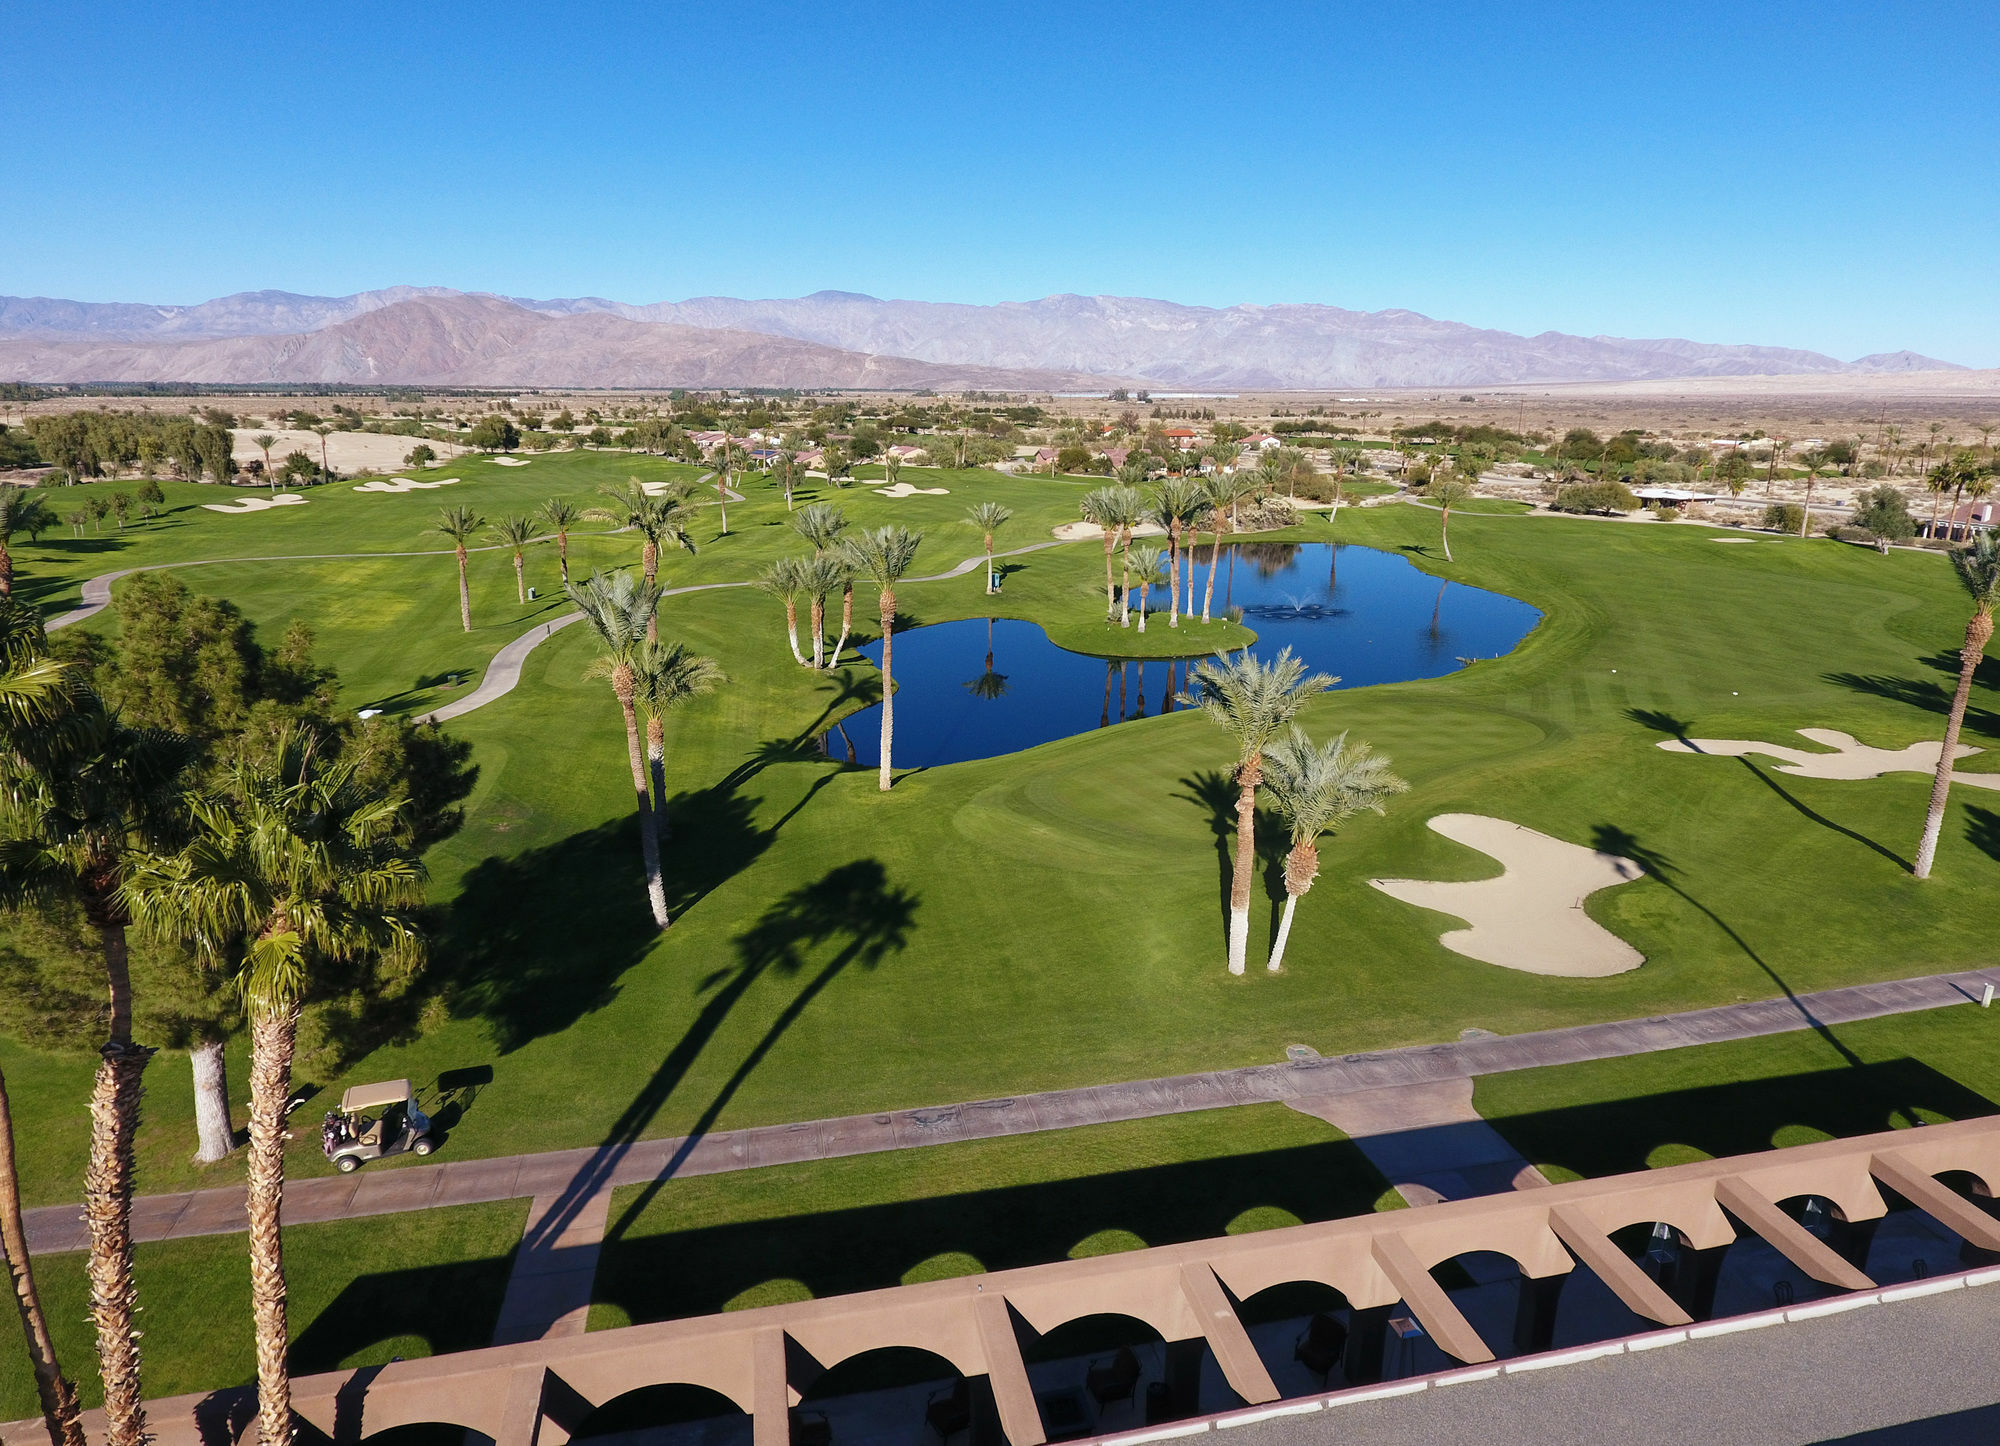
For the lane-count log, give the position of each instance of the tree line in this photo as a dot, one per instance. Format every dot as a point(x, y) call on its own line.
point(104, 444)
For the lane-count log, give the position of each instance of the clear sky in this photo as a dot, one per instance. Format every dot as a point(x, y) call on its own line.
point(1813, 174)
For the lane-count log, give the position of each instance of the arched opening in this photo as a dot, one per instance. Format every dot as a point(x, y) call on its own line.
point(1104, 1373)
point(670, 1414)
point(1512, 1312)
point(1302, 1330)
point(424, 1433)
point(1909, 1243)
point(1587, 1310)
point(899, 1394)
point(1754, 1275)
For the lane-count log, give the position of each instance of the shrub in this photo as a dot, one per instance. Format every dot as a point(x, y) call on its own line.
point(1607, 497)
point(1785, 517)
point(1883, 513)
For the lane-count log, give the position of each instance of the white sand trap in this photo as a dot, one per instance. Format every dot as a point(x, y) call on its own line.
point(404, 484)
point(256, 504)
point(1739, 539)
point(904, 489)
point(1531, 917)
point(1091, 532)
point(656, 489)
point(510, 461)
point(1851, 759)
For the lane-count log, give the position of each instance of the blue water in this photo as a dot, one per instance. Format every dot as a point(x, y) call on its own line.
point(988, 686)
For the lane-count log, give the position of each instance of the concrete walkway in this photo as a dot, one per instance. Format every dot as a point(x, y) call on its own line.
point(580, 1175)
point(1427, 1140)
point(548, 1293)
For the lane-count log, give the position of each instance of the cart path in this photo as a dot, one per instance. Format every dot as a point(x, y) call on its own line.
point(576, 1177)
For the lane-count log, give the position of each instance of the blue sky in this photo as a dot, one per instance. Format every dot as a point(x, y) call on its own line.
point(1819, 175)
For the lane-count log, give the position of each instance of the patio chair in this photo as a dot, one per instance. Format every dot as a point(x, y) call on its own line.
point(1113, 1378)
point(811, 1428)
point(950, 1410)
point(1320, 1346)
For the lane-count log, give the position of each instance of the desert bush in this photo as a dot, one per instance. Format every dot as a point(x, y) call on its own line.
point(1607, 497)
point(1784, 517)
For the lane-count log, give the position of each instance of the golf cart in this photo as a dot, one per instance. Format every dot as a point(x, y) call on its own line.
point(353, 1135)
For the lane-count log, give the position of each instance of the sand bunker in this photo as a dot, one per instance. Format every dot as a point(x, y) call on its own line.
point(904, 489)
point(510, 461)
point(256, 504)
point(404, 484)
point(1531, 917)
point(1091, 532)
point(1738, 539)
point(1850, 759)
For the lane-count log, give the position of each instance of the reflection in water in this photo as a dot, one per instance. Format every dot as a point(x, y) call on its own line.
point(984, 687)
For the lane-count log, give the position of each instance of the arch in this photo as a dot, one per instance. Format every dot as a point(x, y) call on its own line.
point(1701, 1223)
point(427, 1433)
point(1089, 1335)
point(1300, 1329)
point(668, 1403)
point(879, 1369)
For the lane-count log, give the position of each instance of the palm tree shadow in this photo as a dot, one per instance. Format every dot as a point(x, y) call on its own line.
point(1764, 777)
point(1611, 839)
point(1661, 721)
point(1982, 828)
point(1214, 792)
point(1932, 697)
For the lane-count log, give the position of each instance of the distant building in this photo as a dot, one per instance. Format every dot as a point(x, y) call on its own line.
point(1261, 440)
point(1182, 437)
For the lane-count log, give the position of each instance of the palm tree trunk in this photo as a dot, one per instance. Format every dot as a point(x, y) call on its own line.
point(1444, 532)
point(989, 564)
point(846, 624)
point(211, 1102)
point(1110, 543)
point(792, 629)
point(656, 765)
point(649, 561)
point(1214, 556)
point(1174, 571)
point(1144, 588)
point(819, 631)
point(520, 581)
point(7, 570)
point(1247, 778)
point(1978, 632)
point(888, 684)
point(107, 1196)
point(1125, 590)
point(464, 593)
point(1805, 520)
point(722, 500)
point(57, 1395)
point(273, 1035)
point(562, 554)
point(649, 838)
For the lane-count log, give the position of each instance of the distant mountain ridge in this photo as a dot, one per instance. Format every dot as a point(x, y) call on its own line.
point(1053, 343)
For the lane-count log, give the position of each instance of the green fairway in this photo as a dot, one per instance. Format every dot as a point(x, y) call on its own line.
point(1055, 917)
point(361, 1293)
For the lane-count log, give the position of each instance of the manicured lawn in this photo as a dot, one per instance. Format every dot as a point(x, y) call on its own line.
point(797, 1232)
point(1055, 917)
point(361, 1292)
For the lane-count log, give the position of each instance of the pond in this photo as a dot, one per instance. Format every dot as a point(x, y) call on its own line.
point(987, 686)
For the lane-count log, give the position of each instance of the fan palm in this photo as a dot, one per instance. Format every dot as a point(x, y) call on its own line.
point(1317, 790)
point(1176, 502)
point(1115, 510)
point(1978, 569)
point(989, 518)
point(295, 866)
point(819, 578)
point(785, 580)
point(460, 524)
point(1817, 465)
point(1448, 492)
point(785, 472)
point(21, 510)
point(728, 459)
point(657, 519)
point(620, 609)
point(1146, 562)
point(559, 515)
point(821, 524)
point(1223, 491)
point(1253, 701)
point(264, 442)
point(883, 556)
point(666, 675)
point(518, 534)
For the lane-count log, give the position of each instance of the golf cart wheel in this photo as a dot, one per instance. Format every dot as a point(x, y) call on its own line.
point(424, 1145)
point(347, 1164)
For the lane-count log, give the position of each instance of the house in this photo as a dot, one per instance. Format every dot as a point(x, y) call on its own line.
point(1116, 455)
point(903, 451)
point(763, 458)
point(1045, 456)
point(1182, 437)
point(708, 441)
point(1262, 439)
point(1967, 521)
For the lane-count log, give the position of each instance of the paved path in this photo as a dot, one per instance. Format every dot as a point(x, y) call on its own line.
point(1427, 1140)
point(580, 1174)
point(548, 1293)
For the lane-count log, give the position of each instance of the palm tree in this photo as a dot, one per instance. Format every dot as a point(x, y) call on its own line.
point(728, 457)
point(1978, 569)
point(1942, 479)
point(264, 442)
point(296, 866)
point(1817, 465)
point(657, 519)
point(1224, 490)
point(989, 518)
point(560, 514)
point(819, 578)
point(82, 792)
point(519, 534)
point(785, 580)
point(619, 609)
point(21, 510)
point(324, 470)
point(1176, 502)
point(821, 524)
point(460, 524)
point(1253, 701)
point(1146, 560)
point(884, 555)
point(1317, 790)
point(1447, 493)
point(1114, 509)
point(785, 472)
point(666, 675)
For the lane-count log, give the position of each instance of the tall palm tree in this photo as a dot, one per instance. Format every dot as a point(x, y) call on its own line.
point(78, 797)
point(21, 510)
point(324, 432)
point(989, 518)
point(657, 519)
point(821, 524)
point(785, 580)
point(518, 534)
point(1978, 569)
point(460, 524)
point(1448, 492)
point(1817, 465)
point(1317, 790)
point(559, 515)
point(619, 609)
point(1224, 491)
point(727, 460)
point(1943, 478)
point(1114, 509)
point(819, 578)
point(883, 556)
point(295, 866)
point(785, 472)
point(264, 442)
point(666, 675)
point(1253, 701)
point(1176, 502)
point(1146, 562)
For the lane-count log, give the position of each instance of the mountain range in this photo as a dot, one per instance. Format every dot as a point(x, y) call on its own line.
point(436, 336)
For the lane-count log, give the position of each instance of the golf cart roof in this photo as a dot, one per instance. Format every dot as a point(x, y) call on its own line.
point(374, 1096)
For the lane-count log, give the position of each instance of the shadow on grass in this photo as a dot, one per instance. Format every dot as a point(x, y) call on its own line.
point(1611, 839)
point(1931, 696)
point(1982, 829)
point(450, 1307)
point(1214, 792)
